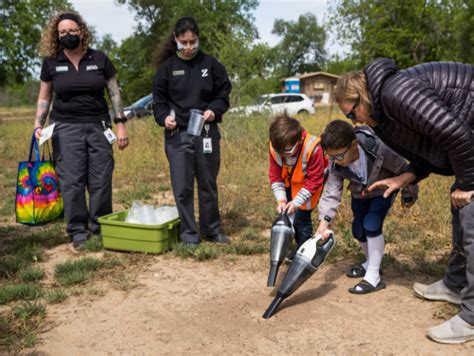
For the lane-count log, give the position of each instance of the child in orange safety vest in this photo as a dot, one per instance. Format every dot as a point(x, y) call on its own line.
point(297, 172)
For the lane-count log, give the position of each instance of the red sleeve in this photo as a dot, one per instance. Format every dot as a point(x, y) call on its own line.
point(315, 170)
point(274, 170)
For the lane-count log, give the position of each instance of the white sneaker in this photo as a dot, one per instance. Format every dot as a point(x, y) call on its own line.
point(453, 331)
point(436, 291)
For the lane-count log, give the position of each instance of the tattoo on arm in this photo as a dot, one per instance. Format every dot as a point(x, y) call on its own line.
point(114, 94)
point(42, 111)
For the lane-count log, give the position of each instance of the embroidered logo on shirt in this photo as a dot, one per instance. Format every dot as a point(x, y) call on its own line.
point(62, 69)
point(178, 72)
point(204, 72)
point(92, 67)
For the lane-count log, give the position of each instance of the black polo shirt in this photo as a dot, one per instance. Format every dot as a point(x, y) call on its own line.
point(79, 93)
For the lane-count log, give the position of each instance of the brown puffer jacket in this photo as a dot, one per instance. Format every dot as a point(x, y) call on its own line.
point(426, 114)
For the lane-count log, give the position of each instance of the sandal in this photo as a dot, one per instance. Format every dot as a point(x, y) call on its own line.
point(365, 287)
point(358, 271)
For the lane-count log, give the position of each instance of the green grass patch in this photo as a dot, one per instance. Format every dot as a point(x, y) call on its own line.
point(206, 252)
point(94, 244)
point(32, 274)
point(250, 234)
point(246, 248)
point(113, 262)
point(12, 292)
point(19, 326)
point(202, 252)
point(10, 265)
point(55, 296)
point(76, 272)
point(19, 248)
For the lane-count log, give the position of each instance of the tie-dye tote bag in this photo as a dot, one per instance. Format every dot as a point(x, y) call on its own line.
point(38, 197)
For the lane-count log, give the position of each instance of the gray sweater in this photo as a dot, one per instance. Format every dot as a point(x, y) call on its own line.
point(382, 163)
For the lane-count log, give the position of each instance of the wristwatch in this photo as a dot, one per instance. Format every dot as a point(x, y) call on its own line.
point(120, 120)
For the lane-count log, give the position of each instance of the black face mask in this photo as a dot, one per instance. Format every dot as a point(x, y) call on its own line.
point(70, 41)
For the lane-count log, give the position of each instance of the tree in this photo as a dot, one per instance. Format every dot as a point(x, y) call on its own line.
point(465, 32)
point(340, 65)
point(22, 22)
point(302, 46)
point(410, 32)
point(134, 68)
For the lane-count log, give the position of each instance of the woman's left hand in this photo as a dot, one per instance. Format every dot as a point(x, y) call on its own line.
point(460, 198)
point(209, 115)
point(122, 136)
point(390, 185)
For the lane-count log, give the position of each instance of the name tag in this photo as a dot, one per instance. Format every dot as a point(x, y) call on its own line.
point(62, 69)
point(109, 134)
point(207, 145)
point(178, 72)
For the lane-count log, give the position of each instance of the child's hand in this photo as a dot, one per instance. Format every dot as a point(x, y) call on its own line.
point(323, 229)
point(290, 208)
point(281, 207)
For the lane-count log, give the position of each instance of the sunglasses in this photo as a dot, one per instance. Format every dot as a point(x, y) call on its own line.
point(351, 115)
point(340, 156)
point(290, 151)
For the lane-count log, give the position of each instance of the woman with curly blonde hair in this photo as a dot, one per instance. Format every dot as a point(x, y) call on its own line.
point(82, 138)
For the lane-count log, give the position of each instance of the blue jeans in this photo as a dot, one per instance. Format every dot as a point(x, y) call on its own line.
point(369, 215)
point(303, 226)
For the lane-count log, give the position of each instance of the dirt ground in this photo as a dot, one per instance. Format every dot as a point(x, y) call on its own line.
point(183, 306)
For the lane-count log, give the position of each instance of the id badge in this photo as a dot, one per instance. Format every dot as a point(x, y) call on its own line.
point(110, 136)
point(207, 145)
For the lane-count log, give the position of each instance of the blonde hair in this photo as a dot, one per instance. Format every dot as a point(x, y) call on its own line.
point(352, 87)
point(49, 45)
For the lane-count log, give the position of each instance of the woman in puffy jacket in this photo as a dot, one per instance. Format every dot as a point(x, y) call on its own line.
point(426, 114)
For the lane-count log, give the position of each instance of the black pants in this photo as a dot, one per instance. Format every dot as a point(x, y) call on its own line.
point(187, 163)
point(84, 159)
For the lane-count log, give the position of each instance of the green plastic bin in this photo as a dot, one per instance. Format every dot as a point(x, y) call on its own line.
point(120, 235)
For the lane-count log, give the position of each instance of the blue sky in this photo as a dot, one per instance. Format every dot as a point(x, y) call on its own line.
point(107, 17)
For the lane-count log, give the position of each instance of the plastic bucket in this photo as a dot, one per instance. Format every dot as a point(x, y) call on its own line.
point(195, 123)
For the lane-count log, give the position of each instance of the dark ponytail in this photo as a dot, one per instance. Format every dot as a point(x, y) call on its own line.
point(168, 47)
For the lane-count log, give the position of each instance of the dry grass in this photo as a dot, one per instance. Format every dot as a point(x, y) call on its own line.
point(23, 112)
point(417, 237)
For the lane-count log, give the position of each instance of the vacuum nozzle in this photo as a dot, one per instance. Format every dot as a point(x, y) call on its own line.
point(272, 275)
point(273, 307)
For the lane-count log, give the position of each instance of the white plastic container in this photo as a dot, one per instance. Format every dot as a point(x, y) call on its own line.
point(195, 123)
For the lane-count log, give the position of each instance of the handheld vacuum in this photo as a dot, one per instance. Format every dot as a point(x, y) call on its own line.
point(306, 261)
point(281, 235)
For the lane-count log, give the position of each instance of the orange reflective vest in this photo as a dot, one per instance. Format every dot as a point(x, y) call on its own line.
point(295, 176)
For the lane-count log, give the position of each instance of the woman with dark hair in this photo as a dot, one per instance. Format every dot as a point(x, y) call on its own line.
point(426, 114)
point(82, 147)
point(189, 79)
